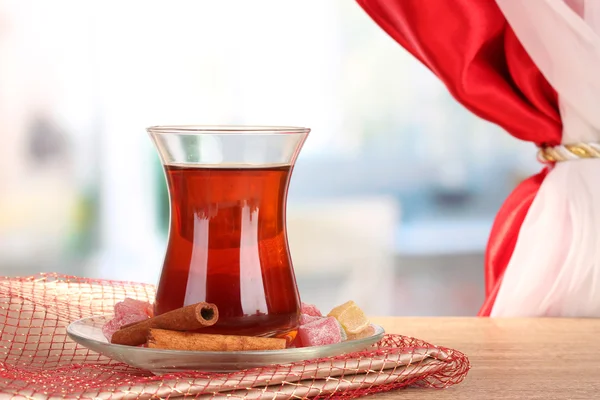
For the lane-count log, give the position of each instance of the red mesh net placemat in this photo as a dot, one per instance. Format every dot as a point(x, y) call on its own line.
point(39, 361)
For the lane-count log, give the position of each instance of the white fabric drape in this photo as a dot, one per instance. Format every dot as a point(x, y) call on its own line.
point(555, 267)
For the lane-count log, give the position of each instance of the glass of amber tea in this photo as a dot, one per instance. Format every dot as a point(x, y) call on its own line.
point(227, 237)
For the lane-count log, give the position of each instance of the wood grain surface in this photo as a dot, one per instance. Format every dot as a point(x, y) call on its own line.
point(520, 358)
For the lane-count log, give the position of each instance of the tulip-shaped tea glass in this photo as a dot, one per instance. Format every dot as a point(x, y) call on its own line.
point(227, 238)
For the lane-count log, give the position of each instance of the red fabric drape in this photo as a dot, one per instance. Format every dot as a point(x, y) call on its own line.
point(469, 45)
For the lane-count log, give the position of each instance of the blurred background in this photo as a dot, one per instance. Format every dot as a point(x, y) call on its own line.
point(392, 198)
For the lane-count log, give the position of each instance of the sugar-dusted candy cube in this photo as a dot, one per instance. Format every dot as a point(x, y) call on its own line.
point(307, 319)
point(127, 311)
point(321, 332)
point(110, 327)
point(352, 318)
point(342, 331)
point(118, 321)
point(132, 306)
point(368, 331)
point(310, 309)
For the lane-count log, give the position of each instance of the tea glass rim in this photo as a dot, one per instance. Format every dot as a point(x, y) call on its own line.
point(226, 129)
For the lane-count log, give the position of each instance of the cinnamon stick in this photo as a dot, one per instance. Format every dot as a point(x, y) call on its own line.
point(188, 318)
point(173, 340)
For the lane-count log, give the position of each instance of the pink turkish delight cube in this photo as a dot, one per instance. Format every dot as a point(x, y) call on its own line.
point(310, 309)
point(343, 333)
point(320, 332)
point(127, 311)
point(132, 306)
point(110, 327)
point(307, 319)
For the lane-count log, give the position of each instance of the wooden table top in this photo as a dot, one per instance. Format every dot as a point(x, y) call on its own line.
point(511, 358)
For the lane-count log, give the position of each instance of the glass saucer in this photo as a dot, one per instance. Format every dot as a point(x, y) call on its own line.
point(88, 332)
